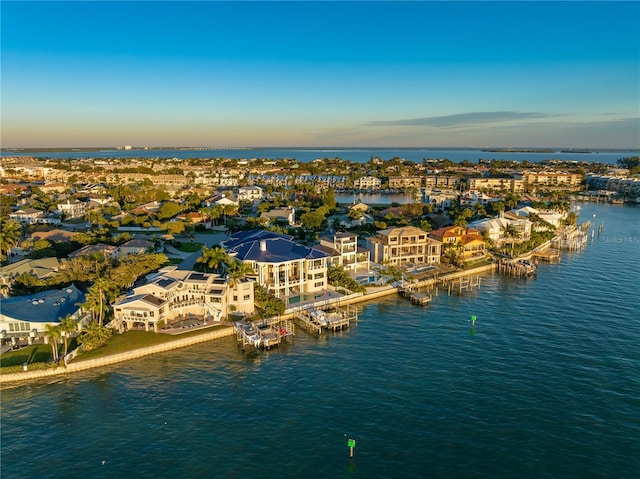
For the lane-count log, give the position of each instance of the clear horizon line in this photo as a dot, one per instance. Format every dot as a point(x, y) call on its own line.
point(319, 147)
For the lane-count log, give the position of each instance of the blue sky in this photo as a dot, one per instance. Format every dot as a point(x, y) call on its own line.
point(564, 74)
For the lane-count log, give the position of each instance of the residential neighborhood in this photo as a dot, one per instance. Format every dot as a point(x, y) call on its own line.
point(163, 246)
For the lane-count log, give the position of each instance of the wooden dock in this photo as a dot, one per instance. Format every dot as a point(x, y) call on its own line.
point(303, 319)
point(550, 255)
point(462, 283)
point(336, 320)
point(573, 238)
point(421, 299)
point(517, 268)
point(265, 334)
point(316, 320)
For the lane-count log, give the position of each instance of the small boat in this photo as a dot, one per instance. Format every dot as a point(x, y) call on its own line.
point(251, 336)
point(318, 317)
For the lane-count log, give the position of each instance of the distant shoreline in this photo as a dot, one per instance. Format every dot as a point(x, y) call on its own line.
point(545, 150)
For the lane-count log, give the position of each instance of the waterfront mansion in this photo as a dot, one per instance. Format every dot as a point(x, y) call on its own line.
point(285, 268)
point(177, 294)
point(405, 245)
point(27, 317)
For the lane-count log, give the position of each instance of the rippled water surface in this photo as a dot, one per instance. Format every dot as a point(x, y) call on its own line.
point(547, 384)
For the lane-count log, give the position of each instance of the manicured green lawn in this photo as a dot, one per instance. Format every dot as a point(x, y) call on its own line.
point(38, 353)
point(188, 247)
point(120, 343)
point(477, 263)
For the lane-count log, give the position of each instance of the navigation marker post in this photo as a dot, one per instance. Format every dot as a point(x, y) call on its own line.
point(351, 443)
point(473, 321)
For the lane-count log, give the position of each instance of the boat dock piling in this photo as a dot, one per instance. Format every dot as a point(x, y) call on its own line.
point(463, 283)
point(517, 269)
point(572, 239)
point(305, 321)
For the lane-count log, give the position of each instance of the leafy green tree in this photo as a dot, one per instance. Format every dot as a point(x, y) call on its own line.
point(392, 271)
point(229, 210)
point(168, 210)
point(381, 225)
point(329, 199)
point(453, 253)
point(631, 163)
point(312, 220)
point(238, 270)
point(268, 305)
point(496, 207)
point(425, 225)
point(479, 210)
point(175, 227)
point(463, 217)
point(338, 277)
point(354, 214)
point(26, 283)
point(571, 219)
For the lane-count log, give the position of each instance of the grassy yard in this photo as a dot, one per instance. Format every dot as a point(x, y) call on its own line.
point(120, 343)
point(188, 247)
point(477, 263)
point(38, 353)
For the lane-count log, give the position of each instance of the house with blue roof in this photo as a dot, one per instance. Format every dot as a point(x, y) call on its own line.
point(285, 268)
point(26, 317)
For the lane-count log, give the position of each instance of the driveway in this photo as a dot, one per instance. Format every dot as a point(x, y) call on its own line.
point(209, 240)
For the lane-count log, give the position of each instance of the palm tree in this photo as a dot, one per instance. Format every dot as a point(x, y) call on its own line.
point(67, 326)
point(10, 232)
point(98, 296)
point(228, 210)
point(93, 336)
point(53, 333)
point(571, 219)
point(214, 258)
point(510, 233)
point(238, 270)
point(215, 212)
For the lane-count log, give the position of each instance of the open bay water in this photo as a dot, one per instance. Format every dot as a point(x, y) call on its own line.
point(356, 155)
point(547, 384)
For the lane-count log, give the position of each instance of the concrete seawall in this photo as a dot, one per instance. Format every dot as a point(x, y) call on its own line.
point(212, 335)
point(117, 358)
